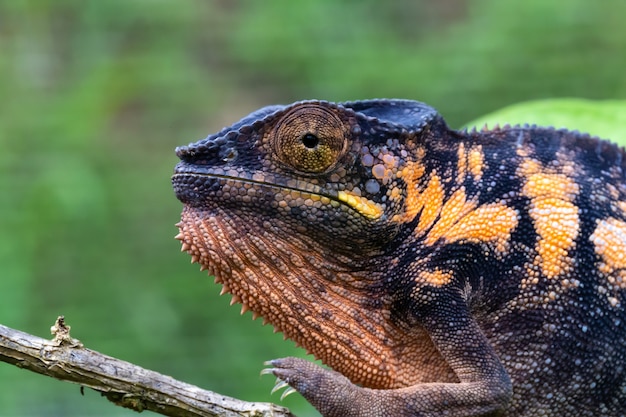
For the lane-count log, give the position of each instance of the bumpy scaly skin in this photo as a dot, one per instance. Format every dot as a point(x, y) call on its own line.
point(436, 272)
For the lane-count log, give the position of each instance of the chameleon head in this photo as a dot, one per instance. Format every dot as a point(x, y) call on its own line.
point(312, 170)
point(296, 204)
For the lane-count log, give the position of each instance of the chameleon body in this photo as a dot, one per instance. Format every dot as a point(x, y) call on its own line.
point(436, 272)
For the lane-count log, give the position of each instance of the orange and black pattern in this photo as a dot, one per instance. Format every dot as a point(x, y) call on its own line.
point(437, 272)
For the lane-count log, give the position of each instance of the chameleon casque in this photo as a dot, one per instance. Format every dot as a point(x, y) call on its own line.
point(437, 272)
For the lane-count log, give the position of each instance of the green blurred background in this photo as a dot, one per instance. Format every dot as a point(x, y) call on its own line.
point(95, 95)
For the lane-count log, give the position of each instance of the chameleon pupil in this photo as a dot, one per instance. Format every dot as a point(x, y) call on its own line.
point(310, 141)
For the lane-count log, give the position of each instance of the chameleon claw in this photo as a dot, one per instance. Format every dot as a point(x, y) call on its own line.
point(287, 392)
point(267, 371)
point(280, 384)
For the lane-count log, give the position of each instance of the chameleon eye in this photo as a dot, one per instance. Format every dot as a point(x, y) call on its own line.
point(309, 139)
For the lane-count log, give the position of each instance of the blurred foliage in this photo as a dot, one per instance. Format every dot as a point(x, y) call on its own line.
point(97, 93)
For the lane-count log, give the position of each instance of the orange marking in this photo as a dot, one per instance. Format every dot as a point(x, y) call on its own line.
point(529, 166)
point(431, 201)
point(395, 194)
point(461, 164)
point(554, 216)
point(453, 209)
point(550, 185)
point(436, 278)
point(488, 223)
point(411, 174)
point(609, 240)
point(556, 222)
point(476, 162)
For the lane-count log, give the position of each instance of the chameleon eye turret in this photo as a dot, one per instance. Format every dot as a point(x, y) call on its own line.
point(310, 139)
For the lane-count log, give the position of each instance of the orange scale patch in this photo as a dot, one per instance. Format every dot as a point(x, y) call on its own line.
point(609, 240)
point(555, 217)
point(461, 164)
point(550, 185)
point(411, 174)
point(456, 207)
point(476, 162)
point(431, 201)
point(435, 278)
point(488, 223)
point(557, 223)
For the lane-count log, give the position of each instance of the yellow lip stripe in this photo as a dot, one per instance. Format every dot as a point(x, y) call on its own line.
point(361, 204)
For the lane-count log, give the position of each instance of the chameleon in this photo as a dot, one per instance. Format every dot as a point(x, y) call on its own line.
point(433, 271)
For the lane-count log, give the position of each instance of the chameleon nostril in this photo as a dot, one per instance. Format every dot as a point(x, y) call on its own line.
point(230, 155)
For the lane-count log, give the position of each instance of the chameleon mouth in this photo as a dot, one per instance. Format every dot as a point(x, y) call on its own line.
point(193, 186)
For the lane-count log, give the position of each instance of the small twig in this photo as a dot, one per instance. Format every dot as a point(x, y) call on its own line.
point(123, 383)
point(61, 333)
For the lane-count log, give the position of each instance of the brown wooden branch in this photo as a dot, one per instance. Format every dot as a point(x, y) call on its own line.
point(123, 383)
